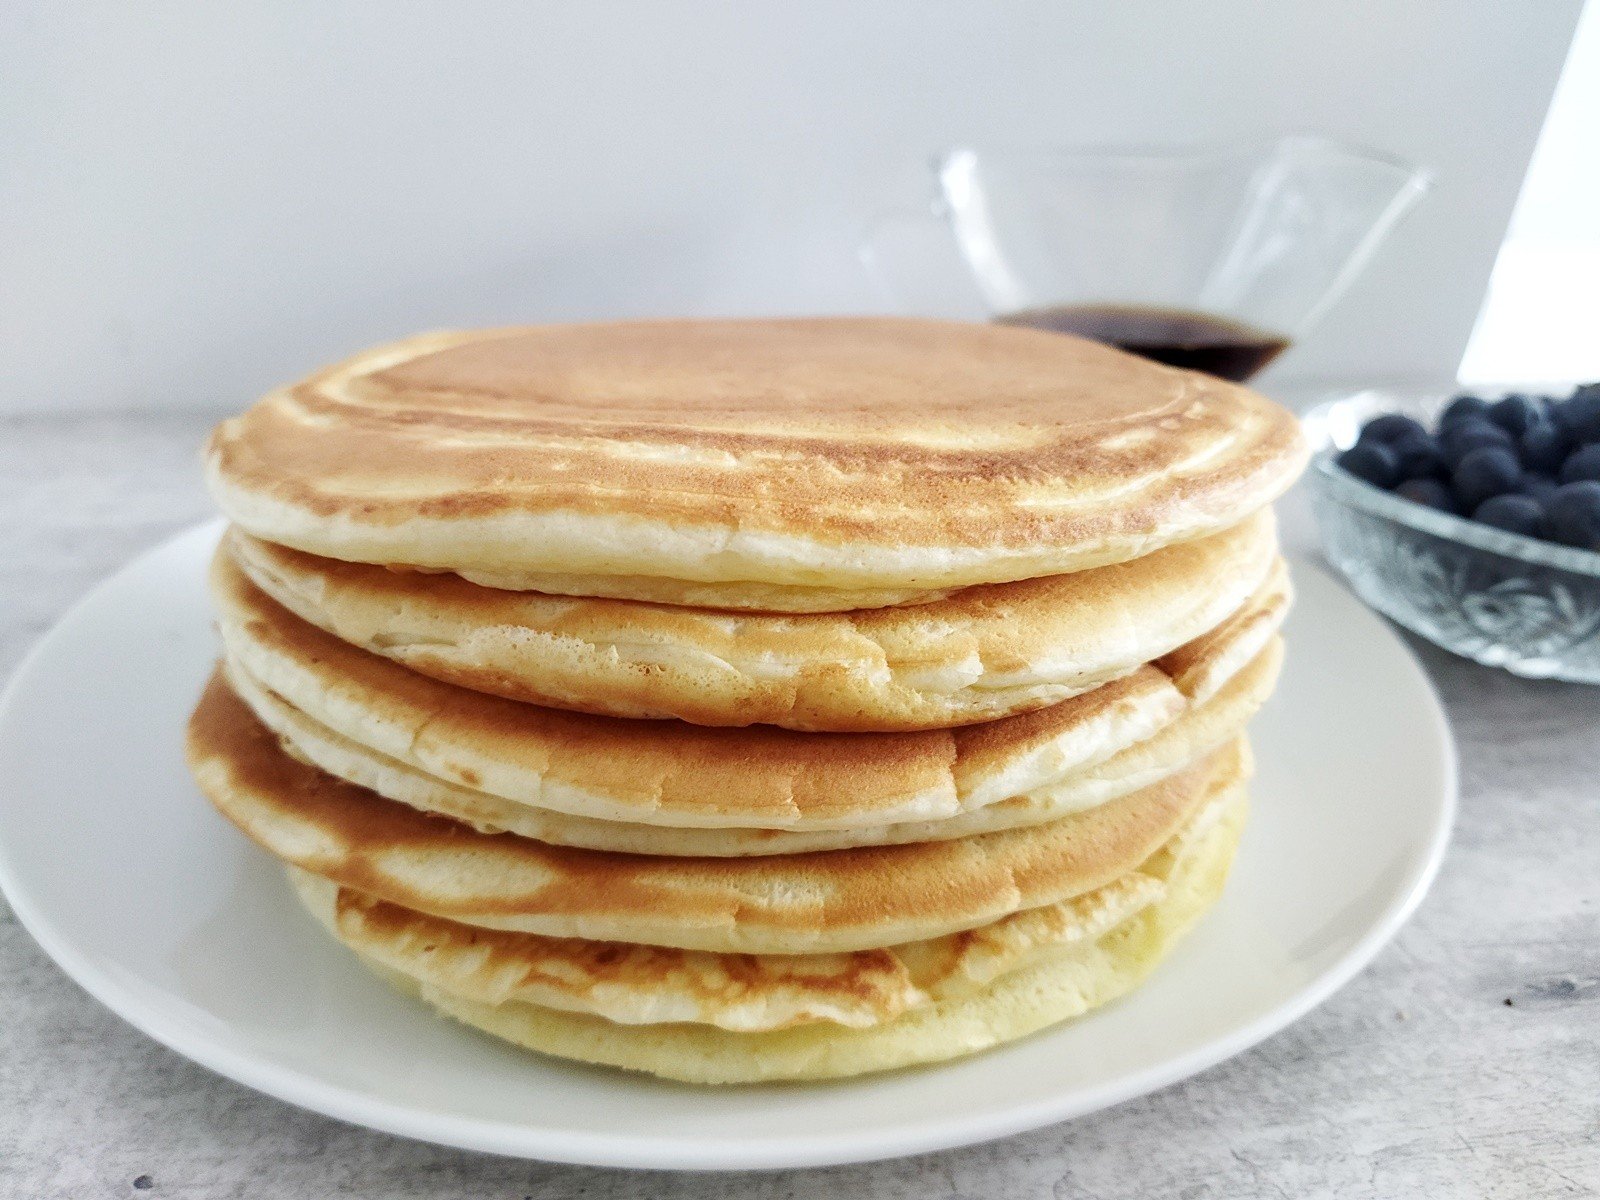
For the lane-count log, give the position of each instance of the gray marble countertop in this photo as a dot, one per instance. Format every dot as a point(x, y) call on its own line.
point(1464, 1063)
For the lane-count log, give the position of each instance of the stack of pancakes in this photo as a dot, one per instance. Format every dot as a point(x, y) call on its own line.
point(748, 700)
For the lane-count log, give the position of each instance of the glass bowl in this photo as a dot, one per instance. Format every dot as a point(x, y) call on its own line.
point(1501, 599)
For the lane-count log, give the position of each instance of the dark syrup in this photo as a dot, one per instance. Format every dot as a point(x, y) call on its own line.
point(1182, 338)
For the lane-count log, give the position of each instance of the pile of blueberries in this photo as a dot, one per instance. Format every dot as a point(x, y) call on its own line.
point(1526, 464)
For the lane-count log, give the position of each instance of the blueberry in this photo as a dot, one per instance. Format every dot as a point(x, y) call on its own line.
point(1580, 465)
point(1476, 426)
point(1462, 408)
point(1390, 427)
point(1573, 517)
point(1516, 413)
point(1485, 472)
point(1514, 514)
point(1367, 438)
point(1540, 487)
point(1418, 455)
point(1373, 462)
point(1580, 413)
point(1468, 435)
point(1544, 447)
point(1428, 492)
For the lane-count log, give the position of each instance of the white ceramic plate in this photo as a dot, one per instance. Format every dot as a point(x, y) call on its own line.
point(168, 916)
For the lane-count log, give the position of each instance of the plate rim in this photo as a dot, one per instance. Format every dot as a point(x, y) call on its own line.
point(643, 1151)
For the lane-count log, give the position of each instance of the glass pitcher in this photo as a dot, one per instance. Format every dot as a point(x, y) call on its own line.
point(1212, 258)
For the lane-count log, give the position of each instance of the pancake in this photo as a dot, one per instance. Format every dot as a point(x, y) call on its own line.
point(684, 593)
point(652, 985)
point(1204, 665)
point(983, 653)
point(847, 454)
point(668, 772)
point(1198, 731)
point(1056, 988)
point(784, 904)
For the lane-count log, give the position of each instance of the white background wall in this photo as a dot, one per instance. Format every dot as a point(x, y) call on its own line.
point(1541, 320)
point(200, 200)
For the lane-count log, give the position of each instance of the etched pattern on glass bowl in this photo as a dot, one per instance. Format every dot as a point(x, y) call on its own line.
point(1529, 606)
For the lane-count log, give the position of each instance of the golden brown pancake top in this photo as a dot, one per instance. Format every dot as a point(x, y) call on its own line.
point(868, 452)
